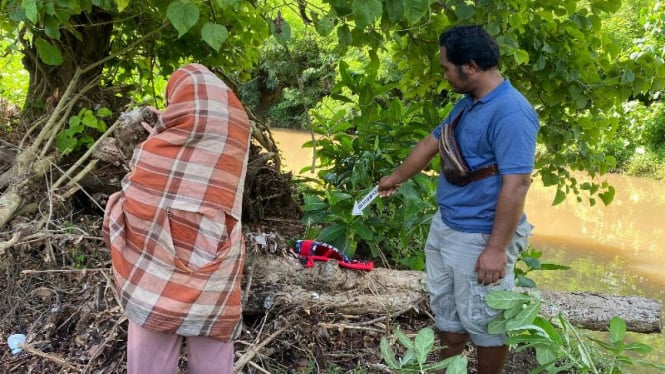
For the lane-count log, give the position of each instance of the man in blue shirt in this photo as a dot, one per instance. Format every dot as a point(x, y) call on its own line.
point(480, 228)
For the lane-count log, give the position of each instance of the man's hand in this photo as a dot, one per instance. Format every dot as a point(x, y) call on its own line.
point(387, 187)
point(491, 265)
point(416, 161)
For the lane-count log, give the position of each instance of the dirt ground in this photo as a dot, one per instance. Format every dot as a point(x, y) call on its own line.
point(59, 293)
point(57, 289)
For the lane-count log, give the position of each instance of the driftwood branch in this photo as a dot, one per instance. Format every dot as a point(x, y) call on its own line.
point(53, 358)
point(247, 357)
point(282, 282)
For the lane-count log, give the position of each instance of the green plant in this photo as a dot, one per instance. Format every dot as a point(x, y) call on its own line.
point(619, 349)
point(415, 358)
point(398, 239)
point(354, 151)
point(531, 260)
point(77, 134)
point(559, 346)
point(328, 218)
point(13, 79)
point(80, 259)
point(653, 119)
point(291, 78)
point(646, 164)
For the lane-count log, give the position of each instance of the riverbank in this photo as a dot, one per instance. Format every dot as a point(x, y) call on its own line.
point(616, 249)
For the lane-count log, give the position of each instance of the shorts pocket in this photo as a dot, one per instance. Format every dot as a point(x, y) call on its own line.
point(479, 312)
point(520, 240)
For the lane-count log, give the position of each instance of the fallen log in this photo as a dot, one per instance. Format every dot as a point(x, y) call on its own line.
point(282, 282)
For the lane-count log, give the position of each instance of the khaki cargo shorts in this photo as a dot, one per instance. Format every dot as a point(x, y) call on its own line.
point(456, 297)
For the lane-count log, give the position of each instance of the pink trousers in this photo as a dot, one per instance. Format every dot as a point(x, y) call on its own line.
point(158, 353)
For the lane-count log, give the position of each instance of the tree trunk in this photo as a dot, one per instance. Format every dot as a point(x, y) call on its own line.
point(47, 82)
point(283, 283)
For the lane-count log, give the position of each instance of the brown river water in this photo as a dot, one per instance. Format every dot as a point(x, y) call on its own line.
point(617, 249)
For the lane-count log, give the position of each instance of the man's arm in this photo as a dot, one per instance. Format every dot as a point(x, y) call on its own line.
point(510, 207)
point(420, 156)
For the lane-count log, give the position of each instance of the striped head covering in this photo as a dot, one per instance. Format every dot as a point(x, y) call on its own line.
point(174, 229)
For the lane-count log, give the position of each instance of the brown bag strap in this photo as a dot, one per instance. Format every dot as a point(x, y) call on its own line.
point(453, 164)
point(448, 148)
point(484, 172)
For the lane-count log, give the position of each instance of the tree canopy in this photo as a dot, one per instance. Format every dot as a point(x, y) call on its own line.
point(560, 54)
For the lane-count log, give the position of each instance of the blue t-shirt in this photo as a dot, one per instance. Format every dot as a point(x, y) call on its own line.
point(501, 128)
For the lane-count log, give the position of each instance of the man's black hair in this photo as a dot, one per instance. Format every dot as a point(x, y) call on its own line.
point(470, 43)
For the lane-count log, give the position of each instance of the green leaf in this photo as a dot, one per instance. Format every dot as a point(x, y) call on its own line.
point(549, 178)
point(313, 203)
point(332, 233)
point(464, 11)
point(65, 143)
point(183, 14)
point(122, 4)
point(31, 12)
point(549, 329)
point(388, 354)
point(281, 31)
point(545, 354)
point(540, 63)
point(493, 28)
point(340, 7)
point(424, 343)
point(498, 326)
point(228, 3)
point(50, 54)
point(214, 34)
point(394, 9)
point(559, 198)
point(521, 56)
point(523, 281)
point(506, 299)
point(104, 112)
point(525, 317)
point(75, 122)
point(345, 74)
point(404, 340)
point(553, 267)
point(415, 10)
point(532, 263)
point(315, 217)
point(89, 119)
point(342, 98)
point(608, 196)
point(52, 27)
point(627, 77)
point(607, 346)
point(335, 197)
point(639, 348)
point(407, 358)
point(365, 12)
point(364, 232)
point(617, 329)
point(344, 36)
point(527, 338)
point(101, 125)
point(457, 365)
point(87, 140)
point(324, 26)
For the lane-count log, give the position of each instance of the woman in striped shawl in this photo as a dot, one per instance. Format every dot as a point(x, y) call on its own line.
point(175, 233)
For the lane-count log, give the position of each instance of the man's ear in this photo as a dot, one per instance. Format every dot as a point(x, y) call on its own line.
point(471, 67)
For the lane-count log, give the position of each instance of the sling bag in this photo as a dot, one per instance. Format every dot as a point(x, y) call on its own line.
point(453, 166)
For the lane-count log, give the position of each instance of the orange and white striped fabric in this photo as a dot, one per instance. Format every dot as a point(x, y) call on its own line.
point(174, 229)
